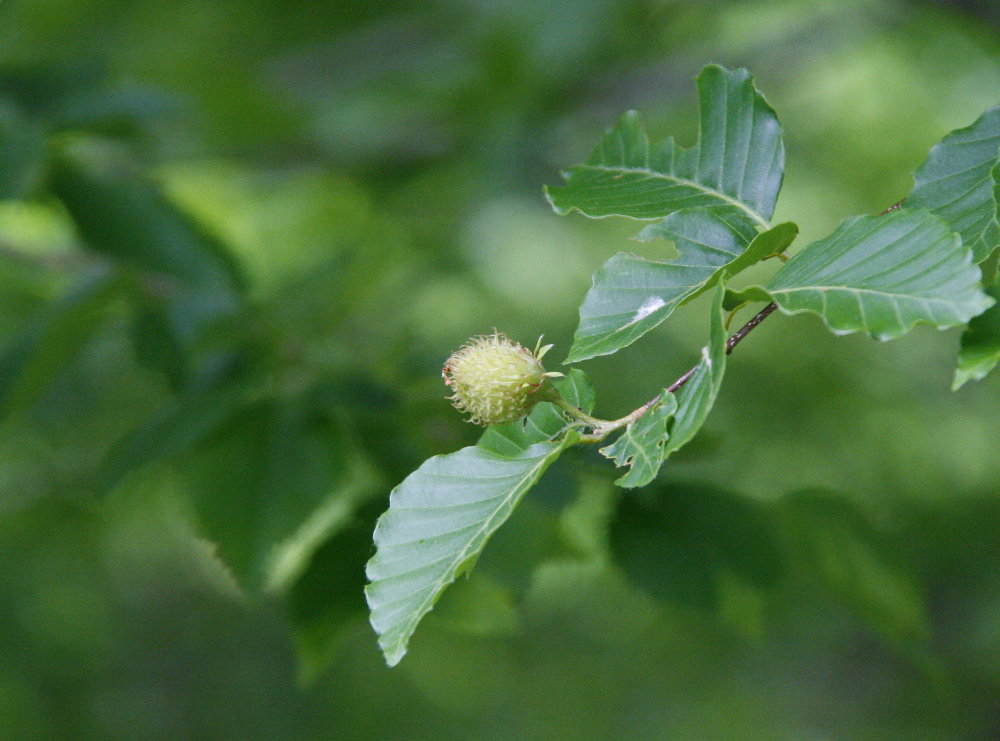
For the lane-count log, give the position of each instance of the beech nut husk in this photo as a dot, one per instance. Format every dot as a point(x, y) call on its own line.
point(495, 380)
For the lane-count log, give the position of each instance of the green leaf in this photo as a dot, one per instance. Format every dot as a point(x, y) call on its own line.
point(696, 398)
point(737, 161)
point(991, 264)
point(836, 546)
point(631, 294)
point(271, 484)
point(326, 605)
point(957, 182)
point(647, 442)
point(35, 357)
point(438, 522)
point(577, 389)
point(684, 542)
point(883, 275)
point(640, 447)
point(177, 429)
point(22, 153)
point(123, 215)
point(980, 344)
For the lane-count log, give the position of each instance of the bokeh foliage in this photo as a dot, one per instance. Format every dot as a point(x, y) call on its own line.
point(236, 241)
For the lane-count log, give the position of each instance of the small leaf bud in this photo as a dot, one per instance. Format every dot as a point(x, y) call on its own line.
point(496, 380)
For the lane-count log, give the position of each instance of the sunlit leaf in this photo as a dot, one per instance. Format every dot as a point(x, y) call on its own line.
point(631, 294)
point(980, 344)
point(438, 522)
point(883, 275)
point(737, 161)
point(956, 182)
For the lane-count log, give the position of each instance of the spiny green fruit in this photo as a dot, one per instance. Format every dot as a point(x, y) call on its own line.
point(496, 380)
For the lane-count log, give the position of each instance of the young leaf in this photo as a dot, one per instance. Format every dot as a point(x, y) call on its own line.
point(980, 344)
point(883, 275)
point(956, 182)
point(738, 160)
point(640, 447)
point(631, 295)
point(696, 398)
point(440, 518)
point(577, 389)
point(646, 443)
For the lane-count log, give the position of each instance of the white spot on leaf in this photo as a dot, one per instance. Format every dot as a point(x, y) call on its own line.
point(648, 306)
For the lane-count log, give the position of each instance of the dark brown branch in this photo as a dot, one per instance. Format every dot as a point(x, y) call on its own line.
point(731, 343)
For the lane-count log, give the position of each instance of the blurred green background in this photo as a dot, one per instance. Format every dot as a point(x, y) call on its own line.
point(239, 237)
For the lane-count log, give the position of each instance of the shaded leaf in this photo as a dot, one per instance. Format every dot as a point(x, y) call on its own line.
point(327, 602)
point(113, 111)
point(883, 275)
point(272, 484)
point(438, 522)
point(737, 161)
point(22, 153)
point(640, 447)
point(175, 430)
point(835, 545)
point(980, 344)
point(123, 215)
point(684, 543)
point(35, 357)
point(956, 182)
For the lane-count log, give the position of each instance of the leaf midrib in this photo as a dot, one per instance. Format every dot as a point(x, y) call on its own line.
point(440, 583)
point(683, 181)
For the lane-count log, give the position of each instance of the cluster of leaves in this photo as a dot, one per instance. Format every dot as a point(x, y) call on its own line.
point(933, 261)
point(265, 445)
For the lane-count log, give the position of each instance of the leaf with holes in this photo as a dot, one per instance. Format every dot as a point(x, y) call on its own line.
point(640, 447)
point(441, 517)
point(673, 420)
point(956, 182)
point(883, 275)
point(738, 160)
point(980, 344)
